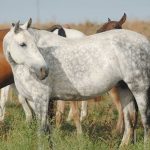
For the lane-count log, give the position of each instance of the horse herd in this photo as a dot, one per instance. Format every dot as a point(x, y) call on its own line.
point(66, 65)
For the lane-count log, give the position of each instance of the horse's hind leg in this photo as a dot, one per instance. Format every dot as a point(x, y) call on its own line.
point(83, 110)
point(142, 99)
point(134, 118)
point(83, 113)
point(130, 120)
point(128, 128)
point(59, 112)
point(76, 117)
point(130, 114)
point(116, 100)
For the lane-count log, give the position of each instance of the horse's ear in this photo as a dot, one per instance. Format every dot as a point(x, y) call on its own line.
point(27, 24)
point(109, 19)
point(16, 27)
point(123, 19)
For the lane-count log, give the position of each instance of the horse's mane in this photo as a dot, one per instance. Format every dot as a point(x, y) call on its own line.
point(103, 28)
point(109, 26)
point(54, 27)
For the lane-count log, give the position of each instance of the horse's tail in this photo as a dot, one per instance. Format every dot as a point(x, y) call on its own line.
point(54, 27)
point(61, 31)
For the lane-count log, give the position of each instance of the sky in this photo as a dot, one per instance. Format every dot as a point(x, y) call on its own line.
point(72, 11)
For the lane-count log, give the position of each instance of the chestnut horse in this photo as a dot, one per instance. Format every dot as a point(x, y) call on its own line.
point(6, 76)
point(112, 24)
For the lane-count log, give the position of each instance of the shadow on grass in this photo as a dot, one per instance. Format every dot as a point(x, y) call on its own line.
point(68, 127)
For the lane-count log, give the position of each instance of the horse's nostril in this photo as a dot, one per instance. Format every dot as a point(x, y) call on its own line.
point(43, 72)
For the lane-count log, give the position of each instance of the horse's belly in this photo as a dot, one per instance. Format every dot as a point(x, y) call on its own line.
point(89, 73)
point(89, 86)
point(97, 85)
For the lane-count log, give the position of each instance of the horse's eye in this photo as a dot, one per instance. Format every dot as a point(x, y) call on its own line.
point(23, 44)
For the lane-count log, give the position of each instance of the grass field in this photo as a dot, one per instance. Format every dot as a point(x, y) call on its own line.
point(98, 128)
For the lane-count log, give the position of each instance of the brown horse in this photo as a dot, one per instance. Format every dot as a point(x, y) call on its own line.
point(6, 76)
point(112, 24)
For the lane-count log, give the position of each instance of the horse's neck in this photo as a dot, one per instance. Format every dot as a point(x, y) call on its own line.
point(47, 39)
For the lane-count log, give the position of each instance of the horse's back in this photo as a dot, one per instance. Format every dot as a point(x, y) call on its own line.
point(74, 34)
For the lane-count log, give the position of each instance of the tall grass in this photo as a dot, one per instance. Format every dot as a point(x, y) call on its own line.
point(98, 130)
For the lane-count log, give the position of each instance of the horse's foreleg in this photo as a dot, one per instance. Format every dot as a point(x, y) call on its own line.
point(59, 112)
point(83, 114)
point(3, 100)
point(76, 117)
point(26, 108)
point(41, 112)
point(116, 100)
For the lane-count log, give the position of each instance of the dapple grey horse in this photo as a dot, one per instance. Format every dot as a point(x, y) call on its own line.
point(108, 58)
point(70, 33)
point(39, 66)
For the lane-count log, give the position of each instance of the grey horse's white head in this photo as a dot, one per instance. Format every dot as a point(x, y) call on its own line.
point(20, 48)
